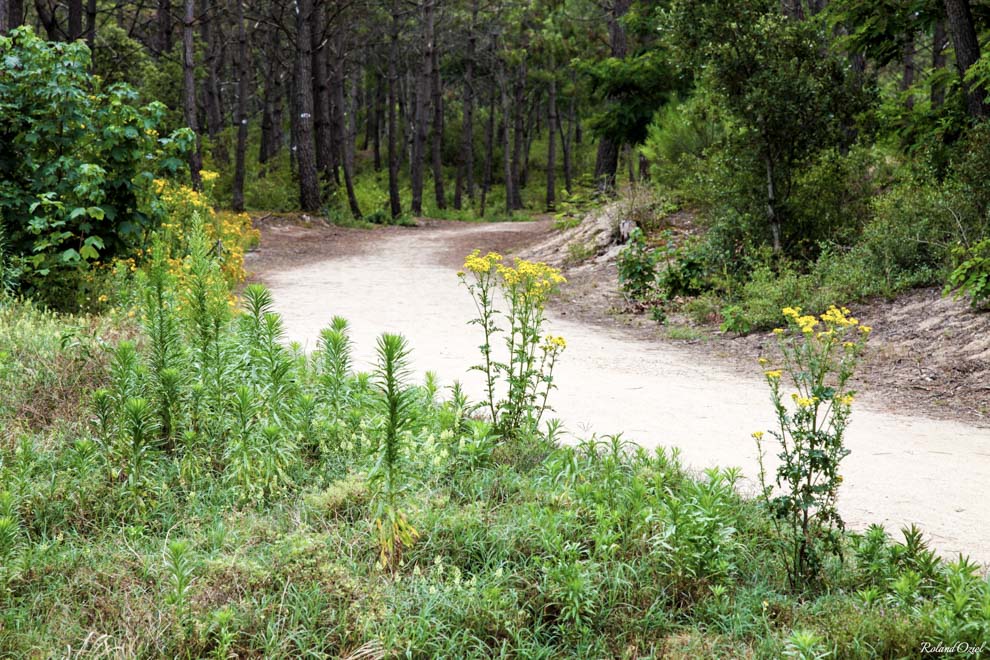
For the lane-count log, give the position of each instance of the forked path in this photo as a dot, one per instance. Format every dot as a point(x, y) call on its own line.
point(902, 469)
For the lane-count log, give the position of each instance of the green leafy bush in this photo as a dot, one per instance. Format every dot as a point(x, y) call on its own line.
point(637, 265)
point(972, 276)
point(77, 162)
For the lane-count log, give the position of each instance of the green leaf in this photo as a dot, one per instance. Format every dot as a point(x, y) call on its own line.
point(95, 212)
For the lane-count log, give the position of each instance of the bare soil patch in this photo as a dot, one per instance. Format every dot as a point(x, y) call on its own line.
point(928, 353)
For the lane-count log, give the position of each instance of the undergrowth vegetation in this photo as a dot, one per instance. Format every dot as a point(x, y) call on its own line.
point(217, 492)
point(873, 193)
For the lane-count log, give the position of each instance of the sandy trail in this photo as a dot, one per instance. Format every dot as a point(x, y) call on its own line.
point(902, 469)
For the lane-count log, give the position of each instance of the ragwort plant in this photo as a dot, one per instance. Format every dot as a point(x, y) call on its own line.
point(526, 375)
point(819, 356)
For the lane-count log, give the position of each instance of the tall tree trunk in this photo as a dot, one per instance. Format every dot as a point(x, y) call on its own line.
point(514, 160)
point(607, 159)
point(773, 218)
point(939, 42)
point(75, 29)
point(309, 182)
point(325, 162)
point(967, 48)
point(907, 76)
point(271, 115)
point(189, 90)
point(486, 181)
point(376, 138)
point(91, 24)
point(551, 141)
point(532, 127)
point(565, 144)
point(506, 148)
point(163, 19)
point(420, 119)
point(437, 147)
point(211, 92)
point(346, 137)
point(792, 9)
point(467, 128)
point(243, 74)
point(395, 203)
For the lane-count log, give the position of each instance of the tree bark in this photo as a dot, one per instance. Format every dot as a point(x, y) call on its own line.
point(967, 48)
point(792, 9)
point(489, 149)
point(551, 141)
point(772, 218)
point(437, 147)
point(420, 120)
point(189, 90)
point(271, 116)
point(309, 183)
point(243, 76)
point(48, 19)
point(506, 148)
point(395, 203)
point(516, 110)
point(211, 92)
point(467, 128)
point(907, 76)
point(939, 42)
point(376, 137)
point(75, 29)
point(346, 137)
point(163, 18)
point(607, 159)
point(91, 24)
point(322, 120)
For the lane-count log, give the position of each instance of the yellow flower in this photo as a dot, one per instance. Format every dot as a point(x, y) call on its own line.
point(552, 343)
point(778, 331)
point(478, 264)
point(103, 298)
point(807, 323)
point(763, 361)
point(773, 374)
point(865, 329)
point(758, 435)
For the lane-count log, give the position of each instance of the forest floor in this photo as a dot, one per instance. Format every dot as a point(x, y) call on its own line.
point(919, 439)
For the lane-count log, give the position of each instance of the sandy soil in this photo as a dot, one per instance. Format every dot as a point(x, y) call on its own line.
point(903, 468)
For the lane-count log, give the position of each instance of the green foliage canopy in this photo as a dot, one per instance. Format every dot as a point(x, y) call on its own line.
point(77, 162)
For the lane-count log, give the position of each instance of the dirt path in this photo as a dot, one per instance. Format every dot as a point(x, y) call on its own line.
point(902, 469)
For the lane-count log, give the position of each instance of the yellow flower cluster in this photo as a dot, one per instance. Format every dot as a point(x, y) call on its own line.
point(806, 323)
point(838, 317)
point(475, 263)
point(773, 374)
point(834, 318)
point(232, 233)
point(554, 343)
point(804, 402)
point(208, 176)
point(534, 280)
